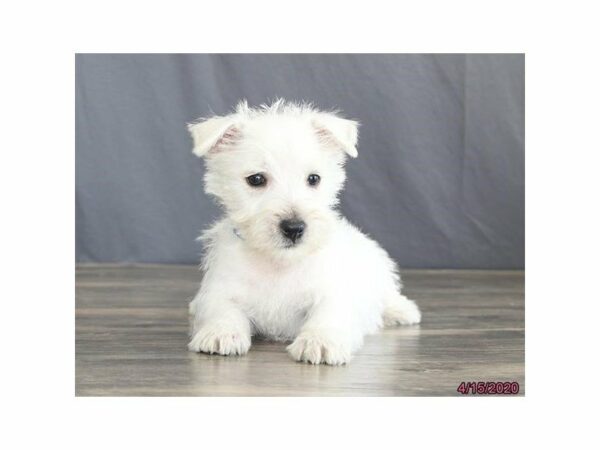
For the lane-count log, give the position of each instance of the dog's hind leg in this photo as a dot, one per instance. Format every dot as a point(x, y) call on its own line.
point(399, 310)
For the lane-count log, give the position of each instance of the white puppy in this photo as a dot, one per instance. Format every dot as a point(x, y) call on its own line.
point(283, 263)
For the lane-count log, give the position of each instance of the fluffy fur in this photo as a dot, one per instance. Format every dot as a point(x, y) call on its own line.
point(325, 292)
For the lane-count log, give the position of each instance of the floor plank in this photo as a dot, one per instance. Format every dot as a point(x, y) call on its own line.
point(132, 325)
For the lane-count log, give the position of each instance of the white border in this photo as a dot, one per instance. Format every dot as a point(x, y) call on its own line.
point(39, 40)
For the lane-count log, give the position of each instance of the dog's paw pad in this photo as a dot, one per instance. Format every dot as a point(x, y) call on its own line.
point(316, 350)
point(223, 343)
point(404, 312)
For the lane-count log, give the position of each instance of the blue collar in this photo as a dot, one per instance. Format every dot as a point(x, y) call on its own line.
point(237, 233)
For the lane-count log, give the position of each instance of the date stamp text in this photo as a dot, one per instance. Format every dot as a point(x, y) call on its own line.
point(488, 387)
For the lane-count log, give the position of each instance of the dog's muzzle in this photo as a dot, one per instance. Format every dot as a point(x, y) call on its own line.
point(292, 229)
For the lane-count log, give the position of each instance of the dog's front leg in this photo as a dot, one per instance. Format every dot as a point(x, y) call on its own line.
point(326, 337)
point(219, 326)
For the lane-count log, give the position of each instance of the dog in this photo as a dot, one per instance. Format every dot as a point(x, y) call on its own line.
point(282, 262)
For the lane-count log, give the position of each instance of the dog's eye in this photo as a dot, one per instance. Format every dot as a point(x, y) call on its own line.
point(313, 179)
point(256, 180)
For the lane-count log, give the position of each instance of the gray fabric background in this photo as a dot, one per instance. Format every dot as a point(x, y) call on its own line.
point(439, 181)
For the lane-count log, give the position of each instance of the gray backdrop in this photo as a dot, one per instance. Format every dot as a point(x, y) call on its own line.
point(439, 181)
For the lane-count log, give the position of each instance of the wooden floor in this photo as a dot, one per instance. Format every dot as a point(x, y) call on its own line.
point(132, 325)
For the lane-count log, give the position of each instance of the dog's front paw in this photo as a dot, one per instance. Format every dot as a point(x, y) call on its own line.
point(316, 349)
point(223, 342)
point(401, 311)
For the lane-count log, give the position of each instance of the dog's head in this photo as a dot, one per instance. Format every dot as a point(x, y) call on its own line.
point(277, 171)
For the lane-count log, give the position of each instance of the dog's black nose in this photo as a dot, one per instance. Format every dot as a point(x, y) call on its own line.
point(292, 229)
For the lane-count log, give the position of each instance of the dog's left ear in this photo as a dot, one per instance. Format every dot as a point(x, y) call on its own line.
point(336, 131)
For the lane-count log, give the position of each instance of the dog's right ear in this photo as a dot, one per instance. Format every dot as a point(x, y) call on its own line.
point(213, 135)
point(337, 131)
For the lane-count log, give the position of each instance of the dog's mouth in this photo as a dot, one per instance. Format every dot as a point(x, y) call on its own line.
point(287, 244)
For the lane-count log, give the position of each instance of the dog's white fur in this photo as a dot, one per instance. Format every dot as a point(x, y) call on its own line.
point(326, 292)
